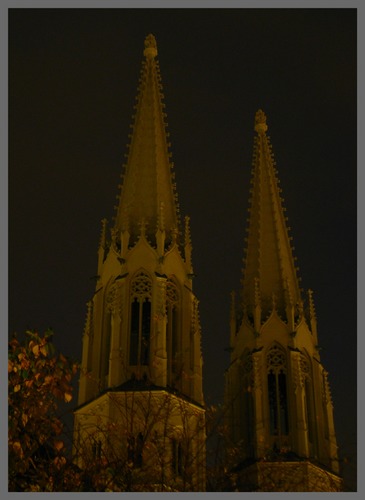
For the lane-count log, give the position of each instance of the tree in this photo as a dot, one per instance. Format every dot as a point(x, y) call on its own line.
point(141, 439)
point(38, 380)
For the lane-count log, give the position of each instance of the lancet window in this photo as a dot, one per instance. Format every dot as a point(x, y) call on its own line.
point(140, 326)
point(277, 391)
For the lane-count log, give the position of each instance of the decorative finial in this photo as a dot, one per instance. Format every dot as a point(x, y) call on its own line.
point(260, 122)
point(150, 44)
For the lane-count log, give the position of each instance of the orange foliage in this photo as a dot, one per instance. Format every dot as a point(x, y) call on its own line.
point(38, 379)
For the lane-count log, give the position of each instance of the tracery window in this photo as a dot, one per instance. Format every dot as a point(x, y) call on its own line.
point(277, 391)
point(141, 294)
point(172, 331)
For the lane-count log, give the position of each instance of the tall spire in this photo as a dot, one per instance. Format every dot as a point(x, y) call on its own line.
point(275, 392)
point(148, 180)
point(269, 263)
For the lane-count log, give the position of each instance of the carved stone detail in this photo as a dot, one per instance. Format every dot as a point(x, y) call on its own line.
point(172, 293)
point(141, 286)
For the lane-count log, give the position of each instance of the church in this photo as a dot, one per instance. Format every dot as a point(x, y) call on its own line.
point(277, 396)
point(141, 408)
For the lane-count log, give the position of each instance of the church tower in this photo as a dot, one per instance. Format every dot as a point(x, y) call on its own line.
point(279, 407)
point(140, 392)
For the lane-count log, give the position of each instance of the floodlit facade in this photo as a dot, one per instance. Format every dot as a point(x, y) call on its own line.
point(140, 393)
point(141, 409)
point(279, 406)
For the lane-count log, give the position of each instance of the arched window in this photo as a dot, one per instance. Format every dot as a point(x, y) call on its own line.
point(172, 330)
point(277, 391)
point(141, 293)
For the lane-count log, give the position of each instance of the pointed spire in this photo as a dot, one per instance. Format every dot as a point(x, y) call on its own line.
point(268, 251)
point(148, 179)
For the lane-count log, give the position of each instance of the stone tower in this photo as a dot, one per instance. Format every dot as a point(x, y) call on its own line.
point(279, 407)
point(140, 392)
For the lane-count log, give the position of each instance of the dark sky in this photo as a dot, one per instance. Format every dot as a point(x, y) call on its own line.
point(73, 78)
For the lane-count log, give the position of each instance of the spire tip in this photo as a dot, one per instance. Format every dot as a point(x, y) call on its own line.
point(260, 122)
point(150, 44)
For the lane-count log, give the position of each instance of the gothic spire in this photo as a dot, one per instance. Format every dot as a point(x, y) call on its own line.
point(148, 180)
point(269, 264)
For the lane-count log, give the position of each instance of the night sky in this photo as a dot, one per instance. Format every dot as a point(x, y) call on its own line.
point(73, 77)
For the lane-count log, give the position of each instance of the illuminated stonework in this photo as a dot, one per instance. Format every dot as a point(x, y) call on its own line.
point(141, 407)
point(141, 360)
point(288, 476)
point(276, 385)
